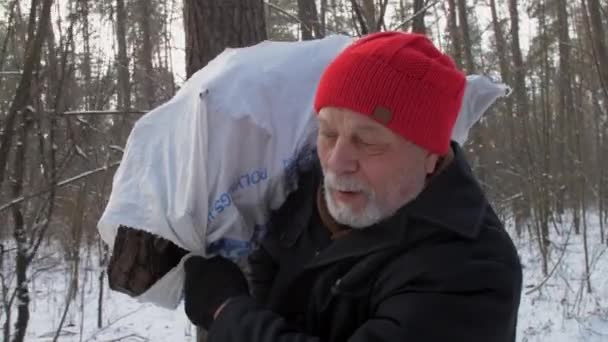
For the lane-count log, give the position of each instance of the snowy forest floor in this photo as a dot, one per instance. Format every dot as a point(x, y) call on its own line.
point(561, 310)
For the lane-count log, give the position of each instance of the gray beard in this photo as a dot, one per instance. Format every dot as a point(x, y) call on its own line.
point(369, 216)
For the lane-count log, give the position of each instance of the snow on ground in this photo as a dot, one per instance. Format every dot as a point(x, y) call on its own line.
point(124, 319)
point(561, 310)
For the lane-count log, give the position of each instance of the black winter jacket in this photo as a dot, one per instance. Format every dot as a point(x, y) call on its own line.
point(442, 269)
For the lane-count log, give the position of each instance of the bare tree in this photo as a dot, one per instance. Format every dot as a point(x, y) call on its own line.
point(19, 231)
point(241, 23)
point(455, 33)
point(418, 25)
point(368, 18)
point(465, 34)
point(310, 25)
point(147, 76)
point(22, 95)
point(122, 64)
point(600, 48)
point(21, 111)
point(323, 19)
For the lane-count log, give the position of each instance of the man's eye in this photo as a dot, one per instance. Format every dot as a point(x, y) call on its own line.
point(364, 142)
point(329, 134)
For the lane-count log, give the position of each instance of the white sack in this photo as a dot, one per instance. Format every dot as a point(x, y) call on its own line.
point(481, 92)
point(205, 169)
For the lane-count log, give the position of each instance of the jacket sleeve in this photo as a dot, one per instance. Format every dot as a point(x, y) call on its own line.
point(263, 269)
point(484, 312)
point(420, 311)
point(242, 319)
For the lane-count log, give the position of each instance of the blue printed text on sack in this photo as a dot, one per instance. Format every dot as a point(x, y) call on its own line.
point(224, 200)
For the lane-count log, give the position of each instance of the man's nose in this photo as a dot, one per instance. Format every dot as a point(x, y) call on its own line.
point(343, 157)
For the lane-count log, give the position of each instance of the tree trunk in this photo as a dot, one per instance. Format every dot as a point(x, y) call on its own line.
point(86, 64)
point(478, 155)
point(213, 25)
point(601, 127)
point(501, 51)
point(359, 15)
point(20, 111)
point(103, 257)
point(10, 24)
point(19, 231)
point(418, 25)
point(6, 327)
point(22, 95)
point(543, 138)
point(595, 14)
point(503, 62)
point(369, 13)
point(119, 129)
point(519, 80)
point(466, 40)
point(566, 116)
point(124, 85)
point(307, 13)
point(505, 72)
point(521, 111)
point(148, 78)
point(323, 18)
point(78, 214)
point(455, 33)
point(401, 10)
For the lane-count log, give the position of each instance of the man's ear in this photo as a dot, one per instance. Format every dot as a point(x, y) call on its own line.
point(431, 163)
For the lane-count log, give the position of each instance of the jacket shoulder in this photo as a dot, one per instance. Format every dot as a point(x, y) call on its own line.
point(449, 263)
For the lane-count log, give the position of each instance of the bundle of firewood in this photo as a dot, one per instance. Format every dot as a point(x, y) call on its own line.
point(139, 259)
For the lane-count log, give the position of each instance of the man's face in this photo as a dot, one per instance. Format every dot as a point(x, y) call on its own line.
point(369, 171)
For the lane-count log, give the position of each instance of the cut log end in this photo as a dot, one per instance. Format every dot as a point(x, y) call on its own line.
point(139, 259)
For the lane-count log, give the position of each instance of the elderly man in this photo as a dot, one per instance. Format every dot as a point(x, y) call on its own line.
point(389, 237)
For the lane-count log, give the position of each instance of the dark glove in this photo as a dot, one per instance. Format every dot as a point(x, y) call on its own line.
point(209, 284)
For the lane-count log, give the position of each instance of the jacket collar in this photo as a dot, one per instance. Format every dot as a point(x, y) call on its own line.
point(453, 199)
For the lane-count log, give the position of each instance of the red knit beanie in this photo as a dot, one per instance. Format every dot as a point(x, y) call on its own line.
point(400, 80)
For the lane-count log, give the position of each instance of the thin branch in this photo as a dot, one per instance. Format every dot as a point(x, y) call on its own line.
point(422, 10)
point(59, 184)
point(94, 335)
point(130, 337)
point(10, 73)
point(116, 148)
point(559, 261)
point(103, 112)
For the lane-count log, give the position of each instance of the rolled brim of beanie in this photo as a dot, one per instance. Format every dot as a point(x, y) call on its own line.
point(421, 111)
